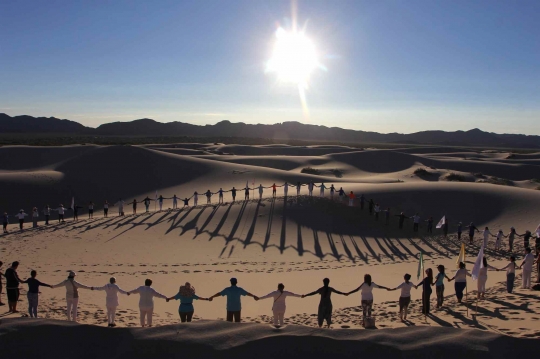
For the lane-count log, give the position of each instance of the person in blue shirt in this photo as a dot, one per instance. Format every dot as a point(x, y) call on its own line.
point(186, 295)
point(234, 305)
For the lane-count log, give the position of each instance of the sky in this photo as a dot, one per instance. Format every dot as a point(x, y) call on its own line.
point(388, 66)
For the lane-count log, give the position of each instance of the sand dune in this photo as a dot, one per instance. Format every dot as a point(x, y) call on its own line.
point(224, 340)
point(297, 241)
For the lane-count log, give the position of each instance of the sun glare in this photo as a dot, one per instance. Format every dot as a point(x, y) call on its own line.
point(293, 59)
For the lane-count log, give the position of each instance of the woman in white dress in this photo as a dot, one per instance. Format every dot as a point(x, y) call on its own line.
point(111, 300)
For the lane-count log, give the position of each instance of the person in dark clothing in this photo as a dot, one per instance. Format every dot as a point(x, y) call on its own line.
point(186, 202)
point(33, 293)
point(325, 305)
point(134, 203)
point(233, 192)
point(246, 194)
point(76, 212)
point(146, 202)
point(362, 200)
point(341, 194)
point(472, 228)
point(371, 204)
point(526, 238)
point(459, 230)
point(12, 286)
point(387, 215)
point(445, 227)
point(220, 198)
point(298, 187)
point(208, 195)
point(426, 283)
point(429, 225)
point(402, 218)
point(1, 275)
point(5, 221)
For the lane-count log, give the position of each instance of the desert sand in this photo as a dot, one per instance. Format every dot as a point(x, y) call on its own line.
point(297, 241)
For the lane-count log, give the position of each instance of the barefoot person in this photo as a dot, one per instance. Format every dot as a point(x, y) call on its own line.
point(33, 293)
point(325, 305)
point(511, 236)
point(72, 294)
point(527, 266)
point(498, 242)
point(366, 296)
point(278, 306)
point(510, 273)
point(12, 286)
point(482, 278)
point(186, 295)
point(426, 284)
point(405, 297)
point(486, 233)
point(234, 304)
point(111, 299)
point(146, 301)
point(439, 285)
point(461, 281)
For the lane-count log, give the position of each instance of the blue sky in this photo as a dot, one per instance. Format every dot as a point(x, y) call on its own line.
point(392, 66)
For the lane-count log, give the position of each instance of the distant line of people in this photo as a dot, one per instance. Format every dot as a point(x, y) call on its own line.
point(187, 294)
point(373, 208)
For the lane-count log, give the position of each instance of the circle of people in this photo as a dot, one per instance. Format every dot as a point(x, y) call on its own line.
point(186, 293)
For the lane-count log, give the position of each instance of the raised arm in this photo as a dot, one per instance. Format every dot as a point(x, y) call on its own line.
point(355, 290)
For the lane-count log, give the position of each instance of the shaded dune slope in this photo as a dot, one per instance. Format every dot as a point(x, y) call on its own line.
point(216, 339)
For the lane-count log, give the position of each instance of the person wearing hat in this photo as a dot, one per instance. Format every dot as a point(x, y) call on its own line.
point(72, 294)
point(186, 295)
point(146, 301)
point(111, 300)
point(21, 216)
point(234, 305)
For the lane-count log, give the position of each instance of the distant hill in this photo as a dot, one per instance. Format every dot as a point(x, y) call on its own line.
point(29, 124)
point(286, 130)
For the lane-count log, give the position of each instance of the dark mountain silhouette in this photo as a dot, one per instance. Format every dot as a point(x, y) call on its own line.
point(29, 124)
point(286, 130)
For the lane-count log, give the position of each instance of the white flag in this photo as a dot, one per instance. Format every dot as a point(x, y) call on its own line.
point(441, 222)
point(478, 264)
point(72, 202)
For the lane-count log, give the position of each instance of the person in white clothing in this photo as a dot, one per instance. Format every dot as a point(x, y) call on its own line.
point(146, 301)
point(498, 242)
point(405, 297)
point(486, 233)
point(35, 216)
point(461, 281)
point(106, 209)
point(278, 307)
point(47, 213)
point(482, 278)
point(111, 300)
point(175, 202)
point(72, 294)
point(120, 205)
point(377, 211)
point(527, 266)
point(367, 295)
point(21, 216)
point(61, 211)
point(195, 199)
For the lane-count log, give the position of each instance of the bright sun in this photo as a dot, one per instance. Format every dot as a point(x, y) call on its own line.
point(294, 58)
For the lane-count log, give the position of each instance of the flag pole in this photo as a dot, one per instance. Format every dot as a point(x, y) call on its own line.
point(466, 299)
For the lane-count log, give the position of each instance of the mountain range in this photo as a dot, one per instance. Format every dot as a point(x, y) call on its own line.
point(286, 131)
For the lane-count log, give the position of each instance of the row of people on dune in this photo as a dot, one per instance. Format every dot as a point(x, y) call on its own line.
point(186, 294)
point(373, 207)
